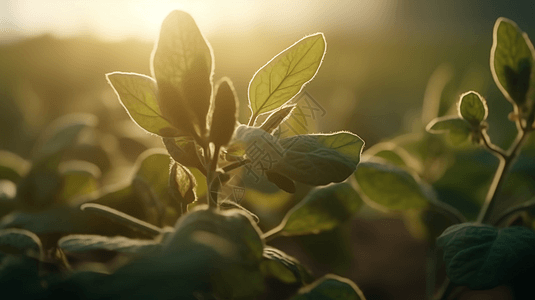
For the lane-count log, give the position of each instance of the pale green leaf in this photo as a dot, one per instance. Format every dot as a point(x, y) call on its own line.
point(482, 257)
point(139, 96)
point(284, 76)
point(473, 108)
point(390, 186)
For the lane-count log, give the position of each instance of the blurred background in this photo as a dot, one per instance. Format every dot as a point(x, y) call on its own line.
point(386, 59)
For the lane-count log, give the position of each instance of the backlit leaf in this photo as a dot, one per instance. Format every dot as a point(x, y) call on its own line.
point(459, 129)
point(473, 108)
point(225, 113)
point(322, 209)
point(511, 60)
point(12, 166)
point(390, 186)
point(182, 65)
point(284, 76)
point(78, 178)
point(182, 184)
point(330, 287)
point(139, 96)
point(483, 257)
point(318, 159)
point(152, 167)
point(85, 243)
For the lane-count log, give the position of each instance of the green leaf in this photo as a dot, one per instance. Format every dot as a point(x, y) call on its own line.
point(152, 167)
point(12, 166)
point(139, 96)
point(235, 238)
point(285, 268)
point(330, 287)
point(322, 209)
point(459, 129)
point(284, 76)
point(511, 61)
point(182, 184)
point(85, 243)
point(390, 186)
point(20, 241)
point(282, 182)
point(182, 65)
point(473, 108)
point(482, 257)
point(225, 115)
point(60, 135)
point(318, 159)
point(78, 178)
point(273, 121)
point(184, 151)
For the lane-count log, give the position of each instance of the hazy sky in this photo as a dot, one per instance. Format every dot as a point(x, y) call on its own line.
point(117, 19)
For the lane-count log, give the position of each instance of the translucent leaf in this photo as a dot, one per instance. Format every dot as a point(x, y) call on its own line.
point(182, 65)
point(319, 159)
point(322, 209)
point(482, 257)
point(473, 108)
point(284, 76)
point(284, 267)
point(511, 60)
point(20, 241)
point(330, 287)
point(459, 129)
point(139, 96)
point(85, 243)
point(184, 151)
point(12, 166)
point(78, 178)
point(390, 186)
point(182, 184)
point(225, 113)
point(274, 120)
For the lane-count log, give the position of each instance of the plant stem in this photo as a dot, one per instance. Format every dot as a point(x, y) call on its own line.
point(252, 120)
point(213, 188)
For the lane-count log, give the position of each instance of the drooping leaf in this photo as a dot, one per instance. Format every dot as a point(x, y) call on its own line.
point(20, 241)
point(319, 159)
point(473, 108)
point(284, 267)
point(459, 129)
point(85, 243)
point(511, 60)
point(225, 113)
point(182, 65)
point(322, 209)
point(284, 76)
point(276, 118)
point(139, 96)
point(483, 257)
point(390, 186)
point(12, 166)
point(182, 184)
point(331, 287)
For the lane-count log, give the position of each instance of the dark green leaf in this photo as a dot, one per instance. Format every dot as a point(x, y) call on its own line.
point(78, 178)
point(152, 167)
point(182, 66)
point(318, 159)
point(225, 113)
point(12, 166)
point(184, 151)
point(459, 129)
point(330, 287)
point(284, 76)
point(390, 186)
point(322, 209)
point(85, 243)
point(483, 257)
point(139, 96)
point(473, 108)
point(284, 267)
point(511, 60)
point(20, 241)
point(284, 183)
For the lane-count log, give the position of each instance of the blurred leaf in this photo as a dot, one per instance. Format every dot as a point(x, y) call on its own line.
point(20, 241)
point(459, 129)
point(282, 182)
point(319, 159)
point(78, 178)
point(139, 96)
point(482, 257)
point(60, 135)
point(236, 239)
point(511, 60)
point(225, 113)
point(85, 243)
point(473, 108)
point(12, 166)
point(182, 184)
point(152, 167)
point(330, 287)
point(390, 186)
point(229, 204)
point(284, 267)
point(182, 66)
point(40, 188)
point(322, 209)
point(284, 76)
point(276, 118)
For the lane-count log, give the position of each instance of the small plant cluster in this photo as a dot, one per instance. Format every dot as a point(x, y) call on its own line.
point(168, 234)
